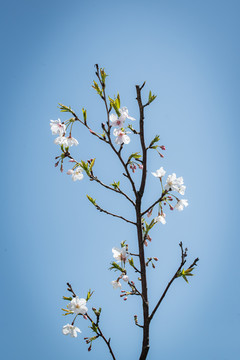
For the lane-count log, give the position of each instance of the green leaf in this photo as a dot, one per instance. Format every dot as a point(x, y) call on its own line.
point(131, 262)
point(103, 75)
point(134, 156)
point(94, 327)
point(67, 298)
point(84, 165)
point(84, 111)
point(97, 88)
point(116, 184)
point(156, 139)
point(91, 165)
point(64, 108)
point(116, 267)
point(151, 97)
point(93, 201)
point(89, 294)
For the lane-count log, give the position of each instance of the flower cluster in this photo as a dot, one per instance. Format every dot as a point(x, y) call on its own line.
point(173, 183)
point(76, 306)
point(118, 122)
point(59, 128)
point(120, 255)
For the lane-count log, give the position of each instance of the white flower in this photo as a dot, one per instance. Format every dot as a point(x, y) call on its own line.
point(160, 218)
point(125, 278)
point(119, 121)
point(70, 141)
point(180, 204)
point(57, 127)
point(78, 306)
point(175, 184)
point(116, 284)
point(159, 173)
point(71, 330)
point(182, 190)
point(120, 254)
point(77, 174)
point(121, 137)
point(60, 140)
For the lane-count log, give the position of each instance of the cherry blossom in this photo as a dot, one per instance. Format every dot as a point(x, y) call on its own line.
point(175, 184)
point(57, 127)
point(60, 140)
point(180, 204)
point(125, 278)
point(77, 174)
point(159, 173)
point(160, 218)
point(116, 284)
point(70, 141)
point(120, 254)
point(78, 306)
point(119, 121)
point(70, 330)
point(121, 136)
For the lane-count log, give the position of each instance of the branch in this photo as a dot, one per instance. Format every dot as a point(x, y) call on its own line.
point(103, 337)
point(144, 150)
point(155, 203)
point(119, 191)
point(118, 216)
point(183, 256)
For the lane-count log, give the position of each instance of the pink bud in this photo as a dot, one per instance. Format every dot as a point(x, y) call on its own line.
point(145, 243)
point(70, 172)
point(61, 168)
point(140, 166)
point(149, 238)
point(72, 160)
point(132, 282)
point(56, 164)
point(92, 132)
point(171, 208)
point(149, 213)
point(85, 317)
point(162, 156)
point(155, 258)
point(125, 299)
point(164, 203)
point(169, 197)
point(162, 147)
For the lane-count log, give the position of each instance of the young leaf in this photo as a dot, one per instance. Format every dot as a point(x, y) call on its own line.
point(116, 267)
point(93, 201)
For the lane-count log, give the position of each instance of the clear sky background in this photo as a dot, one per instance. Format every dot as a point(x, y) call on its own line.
point(188, 52)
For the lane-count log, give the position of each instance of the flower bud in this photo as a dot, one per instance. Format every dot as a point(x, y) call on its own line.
point(70, 172)
point(125, 299)
point(85, 317)
point(140, 166)
point(155, 258)
point(162, 156)
point(162, 147)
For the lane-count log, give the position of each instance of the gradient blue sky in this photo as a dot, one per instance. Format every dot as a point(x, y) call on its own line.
point(188, 52)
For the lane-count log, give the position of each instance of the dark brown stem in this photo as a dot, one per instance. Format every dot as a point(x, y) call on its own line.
point(118, 216)
point(145, 305)
point(183, 260)
point(118, 190)
point(156, 202)
point(103, 337)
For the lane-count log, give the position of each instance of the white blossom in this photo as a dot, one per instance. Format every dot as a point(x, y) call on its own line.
point(119, 121)
point(125, 278)
point(121, 136)
point(57, 127)
point(160, 218)
point(180, 204)
point(116, 284)
point(70, 141)
point(77, 174)
point(159, 173)
point(78, 306)
point(70, 330)
point(60, 140)
point(120, 254)
point(182, 189)
point(175, 184)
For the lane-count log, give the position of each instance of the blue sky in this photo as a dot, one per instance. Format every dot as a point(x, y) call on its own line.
point(188, 52)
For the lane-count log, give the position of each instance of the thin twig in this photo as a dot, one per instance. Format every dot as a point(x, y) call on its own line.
point(183, 260)
point(118, 216)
